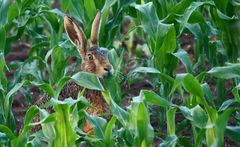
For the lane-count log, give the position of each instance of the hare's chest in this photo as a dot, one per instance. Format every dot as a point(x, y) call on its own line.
point(96, 99)
point(93, 96)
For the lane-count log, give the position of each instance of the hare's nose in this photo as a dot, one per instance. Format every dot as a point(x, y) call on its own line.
point(107, 68)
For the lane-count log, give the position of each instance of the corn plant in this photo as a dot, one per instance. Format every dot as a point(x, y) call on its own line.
point(192, 97)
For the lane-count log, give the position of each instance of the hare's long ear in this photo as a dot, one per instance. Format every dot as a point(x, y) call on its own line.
point(75, 34)
point(95, 30)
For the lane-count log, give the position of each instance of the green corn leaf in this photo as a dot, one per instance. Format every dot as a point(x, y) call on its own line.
point(7, 132)
point(4, 5)
point(199, 117)
point(165, 44)
point(226, 104)
point(146, 70)
point(88, 80)
point(120, 113)
point(32, 69)
point(191, 84)
point(220, 127)
point(226, 72)
point(145, 130)
point(148, 17)
point(105, 11)
point(177, 10)
point(196, 115)
point(171, 121)
point(169, 141)
point(46, 87)
point(189, 11)
point(3, 39)
point(9, 100)
point(184, 141)
point(183, 56)
point(99, 125)
point(66, 136)
point(30, 115)
point(64, 5)
point(77, 10)
point(58, 64)
point(90, 8)
point(152, 98)
point(108, 132)
point(60, 85)
point(3, 78)
point(207, 92)
point(233, 132)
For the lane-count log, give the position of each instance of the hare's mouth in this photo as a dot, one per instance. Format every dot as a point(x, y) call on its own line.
point(109, 73)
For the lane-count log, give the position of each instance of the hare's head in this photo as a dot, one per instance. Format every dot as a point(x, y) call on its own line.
point(94, 58)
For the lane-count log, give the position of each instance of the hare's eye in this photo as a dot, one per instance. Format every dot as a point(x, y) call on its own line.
point(90, 57)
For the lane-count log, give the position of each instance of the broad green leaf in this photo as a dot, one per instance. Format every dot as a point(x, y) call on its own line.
point(189, 12)
point(221, 5)
point(184, 141)
point(181, 6)
point(171, 121)
point(32, 69)
point(30, 114)
point(148, 18)
point(53, 23)
point(207, 92)
point(3, 78)
point(146, 70)
point(64, 5)
point(26, 4)
point(58, 64)
point(105, 13)
point(77, 10)
point(183, 56)
point(88, 80)
point(12, 12)
point(233, 132)
point(46, 87)
point(152, 98)
point(191, 84)
point(58, 12)
point(177, 10)
point(4, 5)
point(145, 130)
point(169, 141)
point(7, 132)
point(60, 85)
point(90, 8)
point(66, 136)
point(226, 104)
point(164, 45)
point(220, 126)
point(99, 125)
point(120, 113)
point(199, 117)
point(108, 132)
point(166, 38)
point(196, 17)
point(186, 112)
point(9, 100)
point(2, 38)
point(226, 72)
point(196, 115)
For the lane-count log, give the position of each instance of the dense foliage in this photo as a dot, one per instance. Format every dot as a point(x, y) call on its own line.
point(196, 105)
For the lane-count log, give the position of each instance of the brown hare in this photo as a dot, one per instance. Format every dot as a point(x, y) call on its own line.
point(94, 60)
